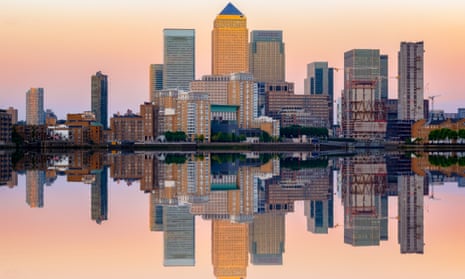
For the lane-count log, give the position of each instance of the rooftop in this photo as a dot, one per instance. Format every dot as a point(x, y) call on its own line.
point(230, 9)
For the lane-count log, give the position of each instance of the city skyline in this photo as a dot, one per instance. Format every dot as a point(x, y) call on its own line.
point(126, 57)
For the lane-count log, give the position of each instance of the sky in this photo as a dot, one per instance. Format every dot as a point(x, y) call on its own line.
point(58, 44)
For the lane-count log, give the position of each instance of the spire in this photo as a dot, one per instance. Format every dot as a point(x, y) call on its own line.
point(230, 9)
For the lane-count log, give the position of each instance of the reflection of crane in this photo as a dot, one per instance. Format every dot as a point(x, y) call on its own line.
point(432, 100)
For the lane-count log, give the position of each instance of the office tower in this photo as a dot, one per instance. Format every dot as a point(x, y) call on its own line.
point(179, 236)
point(266, 55)
point(410, 88)
point(363, 181)
point(35, 180)
point(14, 115)
point(242, 91)
point(215, 85)
point(362, 109)
point(267, 237)
point(99, 196)
point(178, 58)
point(410, 207)
point(384, 76)
point(155, 78)
point(230, 249)
point(99, 98)
point(35, 106)
point(230, 53)
point(320, 81)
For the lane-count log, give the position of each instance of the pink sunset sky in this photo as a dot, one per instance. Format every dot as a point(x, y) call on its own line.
point(58, 45)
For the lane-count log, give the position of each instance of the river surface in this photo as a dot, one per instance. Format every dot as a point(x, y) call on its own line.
point(232, 215)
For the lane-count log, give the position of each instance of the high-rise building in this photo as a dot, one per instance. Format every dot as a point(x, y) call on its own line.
point(99, 196)
point(230, 248)
point(193, 115)
point(179, 236)
point(362, 109)
point(320, 81)
point(384, 76)
point(242, 91)
point(155, 78)
point(410, 207)
point(149, 113)
point(230, 53)
point(35, 114)
point(410, 88)
point(178, 58)
point(35, 180)
point(266, 55)
point(267, 237)
point(99, 98)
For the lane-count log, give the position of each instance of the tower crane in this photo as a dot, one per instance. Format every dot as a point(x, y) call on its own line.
point(432, 100)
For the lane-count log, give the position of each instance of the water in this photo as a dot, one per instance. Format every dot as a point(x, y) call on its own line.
point(249, 215)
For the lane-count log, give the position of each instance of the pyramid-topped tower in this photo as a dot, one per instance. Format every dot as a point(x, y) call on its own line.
point(230, 53)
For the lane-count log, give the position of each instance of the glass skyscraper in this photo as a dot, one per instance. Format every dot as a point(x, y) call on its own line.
point(179, 58)
point(99, 98)
point(320, 81)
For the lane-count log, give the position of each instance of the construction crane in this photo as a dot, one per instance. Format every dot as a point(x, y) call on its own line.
point(432, 100)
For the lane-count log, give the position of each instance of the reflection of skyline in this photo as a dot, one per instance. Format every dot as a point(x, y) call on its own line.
point(247, 197)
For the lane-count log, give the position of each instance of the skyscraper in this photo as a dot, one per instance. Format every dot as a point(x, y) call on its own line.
point(35, 106)
point(266, 56)
point(230, 53)
point(384, 76)
point(362, 109)
point(178, 58)
point(410, 88)
point(156, 78)
point(320, 80)
point(99, 98)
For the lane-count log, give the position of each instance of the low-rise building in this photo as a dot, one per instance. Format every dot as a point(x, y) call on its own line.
point(127, 127)
point(422, 128)
point(5, 127)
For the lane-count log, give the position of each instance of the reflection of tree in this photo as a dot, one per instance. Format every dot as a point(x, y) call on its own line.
point(446, 161)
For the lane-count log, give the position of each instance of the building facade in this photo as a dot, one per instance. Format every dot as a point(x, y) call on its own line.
point(215, 85)
point(266, 55)
point(384, 76)
point(127, 127)
point(14, 114)
point(155, 78)
point(35, 114)
point(6, 127)
point(99, 98)
point(411, 81)
point(193, 115)
point(230, 52)
point(242, 91)
point(178, 58)
point(320, 81)
point(363, 114)
point(149, 113)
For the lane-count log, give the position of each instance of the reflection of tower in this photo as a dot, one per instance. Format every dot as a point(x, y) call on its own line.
point(410, 191)
point(320, 215)
point(35, 180)
point(267, 236)
point(156, 214)
point(229, 249)
point(6, 168)
point(99, 196)
point(179, 236)
point(364, 179)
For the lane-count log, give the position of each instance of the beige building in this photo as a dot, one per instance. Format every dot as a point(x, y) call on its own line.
point(230, 53)
point(422, 128)
point(193, 115)
point(83, 129)
point(243, 92)
point(35, 106)
point(215, 85)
